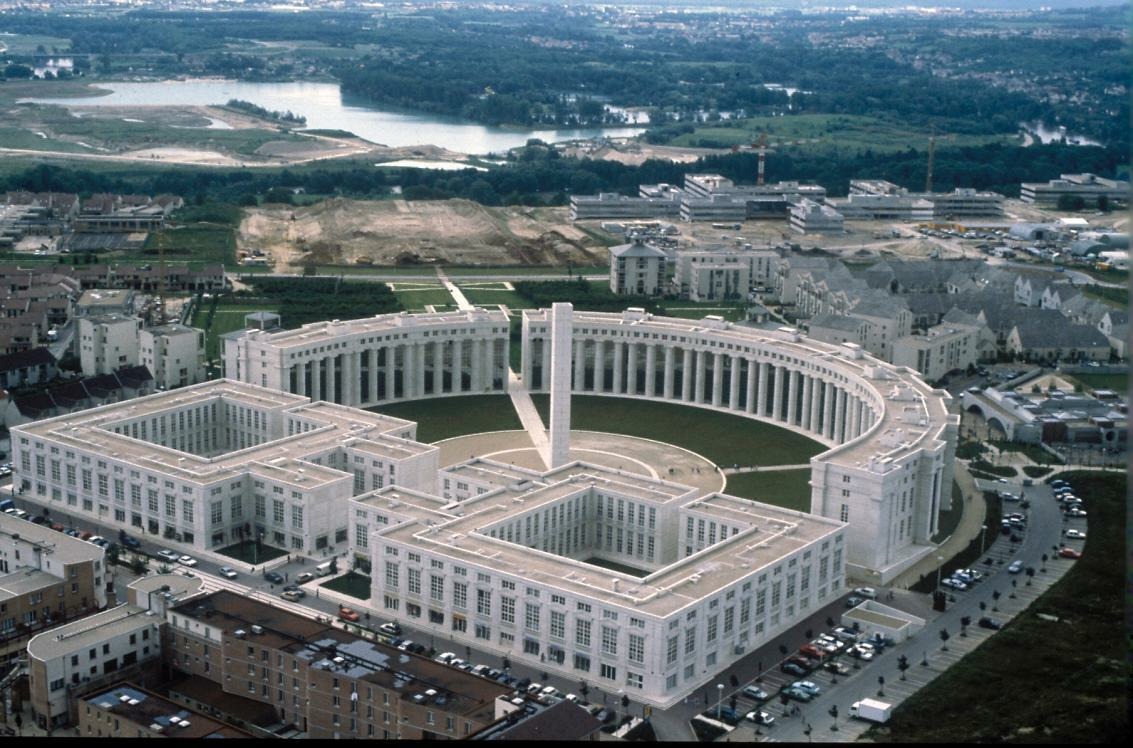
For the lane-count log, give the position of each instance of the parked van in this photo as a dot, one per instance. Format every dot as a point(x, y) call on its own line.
point(323, 569)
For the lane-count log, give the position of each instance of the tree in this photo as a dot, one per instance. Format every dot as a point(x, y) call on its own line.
point(17, 71)
point(625, 701)
point(333, 565)
point(944, 636)
point(902, 665)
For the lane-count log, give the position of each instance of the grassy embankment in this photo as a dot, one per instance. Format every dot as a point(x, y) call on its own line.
point(1059, 678)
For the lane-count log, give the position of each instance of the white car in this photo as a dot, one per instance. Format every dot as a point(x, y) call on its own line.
point(187, 561)
point(955, 584)
point(1076, 534)
point(760, 717)
point(227, 572)
point(867, 592)
point(445, 658)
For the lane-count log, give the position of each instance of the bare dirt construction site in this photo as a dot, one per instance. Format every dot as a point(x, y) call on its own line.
point(396, 232)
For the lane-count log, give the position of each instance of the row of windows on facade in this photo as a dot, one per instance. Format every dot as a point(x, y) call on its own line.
point(389, 338)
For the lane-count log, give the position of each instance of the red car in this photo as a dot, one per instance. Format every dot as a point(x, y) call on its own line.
point(348, 614)
point(811, 651)
point(1069, 553)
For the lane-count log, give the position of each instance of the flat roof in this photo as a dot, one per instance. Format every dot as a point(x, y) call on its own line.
point(316, 332)
point(162, 716)
point(91, 630)
point(459, 530)
point(24, 580)
point(282, 457)
point(328, 648)
point(59, 546)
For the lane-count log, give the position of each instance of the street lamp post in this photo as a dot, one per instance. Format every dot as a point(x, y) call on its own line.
point(719, 698)
point(939, 569)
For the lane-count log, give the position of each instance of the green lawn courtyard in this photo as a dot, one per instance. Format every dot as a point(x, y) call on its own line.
point(445, 417)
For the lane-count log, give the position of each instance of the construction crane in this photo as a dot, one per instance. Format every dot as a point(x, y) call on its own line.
point(932, 156)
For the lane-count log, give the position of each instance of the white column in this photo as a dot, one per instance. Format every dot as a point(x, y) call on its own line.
point(808, 388)
point(752, 368)
point(301, 379)
point(701, 373)
point(391, 368)
point(631, 369)
point(476, 368)
point(717, 379)
point(458, 365)
point(839, 415)
point(599, 364)
point(670, 365)
point(317, 379)
point(619, 367)
point(579, 365)
point(734, 385)
point(792, 396)
point(373, 354)
point(650, 370)
point(815, 405)
point(777, 394)
point(559, 360)
point(855, 418)
point(687, 372)
point(761, 398)
point(489, 363)
point(438, 367)
point(828, 411)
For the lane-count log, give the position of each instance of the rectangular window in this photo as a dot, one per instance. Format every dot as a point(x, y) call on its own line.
point(582, 633)
point(609, 640)
point(507, 609)
point(531, 617)
point(636, 648)
point(415, 581)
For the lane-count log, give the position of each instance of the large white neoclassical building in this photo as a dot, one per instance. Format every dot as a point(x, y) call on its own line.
point(617, 579)
point(889, 436)
point(214, 463)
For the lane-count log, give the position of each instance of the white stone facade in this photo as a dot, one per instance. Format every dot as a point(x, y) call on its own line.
point(376, 360)
point(174, 355)
point(107, 343)
point(213, 463)
point(888, 470)
point(525, 569)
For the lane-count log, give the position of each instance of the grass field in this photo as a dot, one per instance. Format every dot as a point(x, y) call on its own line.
point(518, 272)
point(445, 417)
point(722, 438)
point(1115, 297)
point(487, 297)
point(415, 299)
point(1051, 681)
point(1033, 452)
point(1119, 382)
point(789, 489)
point(684, 310)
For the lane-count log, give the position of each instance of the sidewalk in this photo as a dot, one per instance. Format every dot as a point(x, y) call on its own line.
point(529, 416)
point(969, 528)
point(458, 296)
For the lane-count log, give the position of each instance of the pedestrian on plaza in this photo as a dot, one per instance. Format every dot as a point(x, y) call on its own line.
point(286, 577)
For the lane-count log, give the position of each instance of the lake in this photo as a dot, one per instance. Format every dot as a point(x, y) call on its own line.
point(325, 108)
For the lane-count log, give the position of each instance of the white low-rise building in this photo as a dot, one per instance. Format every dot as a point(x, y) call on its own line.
point(108, 342)
point(939, 350)
point(174, 355)
point(214, 463)
point(637, 269)
point(624, 581)
point(376, 360)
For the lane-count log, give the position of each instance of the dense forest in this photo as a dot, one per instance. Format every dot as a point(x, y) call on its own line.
point(965, 73)
point(537, 176)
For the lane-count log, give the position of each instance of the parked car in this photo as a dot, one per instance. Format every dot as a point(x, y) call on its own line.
point(810, 650)
point(955, 584)
point(57, 527)
point(129, 542)
point(228, 572)
point(809, 686)
point(392, 629)
point(798, 694)
point(1015, 567)
point(294, 588)
point(348, 614)
point(760, 717)
point(304, 577)
point(989, 623)
point(846, 634)
point(793, 668)
point(858, 653)
point(838, 668)
point(166, 555)
point(867, 592)
point(755, 692)
point(1069, 553)
point(1072, 533)
point(274, 577)
point(292, 595)
point(1076, 512)
point(853, 602)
